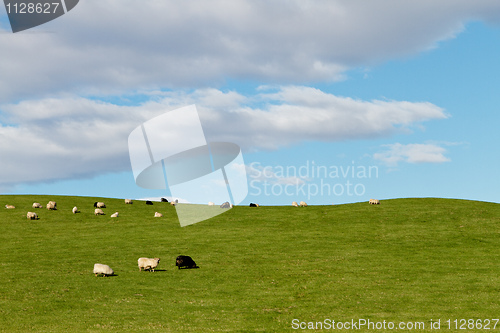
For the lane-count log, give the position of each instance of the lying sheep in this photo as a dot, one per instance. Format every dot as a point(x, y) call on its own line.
point(163, 200)
point(98, 211)
point(52, 205)
point(114, 214)
point(105, 270)
point(128, 201)
point(149, 202)
point(295, 204)
point(254, 205)
point(9, 207)
point(185, 261)
point(32, 216)
point(148, 263)
point(374, 202)
point(158, 214)
point(211, 203)
point(36, 205)
point(303, 204)
point(75, 210)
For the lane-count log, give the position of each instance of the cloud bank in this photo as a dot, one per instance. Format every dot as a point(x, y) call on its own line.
point(116, 46)
point(53, 139)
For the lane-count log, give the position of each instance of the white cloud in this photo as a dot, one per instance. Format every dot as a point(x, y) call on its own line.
point(125, 45)
point(295, 114)
point(54, 139)
point(412, 153)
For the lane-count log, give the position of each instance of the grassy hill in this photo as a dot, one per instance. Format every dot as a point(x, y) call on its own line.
point(406, 260)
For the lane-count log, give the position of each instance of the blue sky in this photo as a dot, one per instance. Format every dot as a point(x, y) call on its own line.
point(410, 94)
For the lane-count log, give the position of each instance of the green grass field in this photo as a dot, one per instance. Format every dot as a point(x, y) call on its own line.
point(406, 260)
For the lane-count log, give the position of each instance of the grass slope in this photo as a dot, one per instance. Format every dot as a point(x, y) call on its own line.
point(405, 260)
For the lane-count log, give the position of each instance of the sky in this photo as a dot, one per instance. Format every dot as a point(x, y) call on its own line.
point(330, 101)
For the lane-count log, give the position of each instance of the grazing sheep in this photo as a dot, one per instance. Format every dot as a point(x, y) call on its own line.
point(164, 200)
point(75, 210)
point(114, 214)
point(149, 202)
point(254, 205)
point(99, 205)
point(303, 204)
point(185, 261)
point(36, 205)
point(9, 207)
point(374, 202)
point(105, 270)
point(52, 205)
point(295, 204)
point(172, 203)
point(148, 263)
point(128, 201)
point(98, 211)
point(158, 214)
point(31, 216)
point(225, 205)
point(211, 203)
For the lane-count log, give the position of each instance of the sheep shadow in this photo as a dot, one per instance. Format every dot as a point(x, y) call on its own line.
point(156, 270)
point(105, 276)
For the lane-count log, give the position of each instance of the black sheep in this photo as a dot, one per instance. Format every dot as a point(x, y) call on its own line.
point(185, 262)
point(149, 202)
point(164, 200)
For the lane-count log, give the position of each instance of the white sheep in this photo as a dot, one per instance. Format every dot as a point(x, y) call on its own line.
point(52, 205)
point(105, 270)
point(128, 201)
point(100, 205)
point(295, 204)
point(36, 205)
point(114, 214)
point(148, 263)
point(158, 214)
point(211, 203)
point(98, 211)
point(374, 202)
point(10, 206)
point(75, 210)
point(32, 216)
point(303, 204)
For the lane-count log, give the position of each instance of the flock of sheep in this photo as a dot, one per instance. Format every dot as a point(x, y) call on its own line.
point(144, 263)
point(149, 264)
point(52, 205)
point(104, 270)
